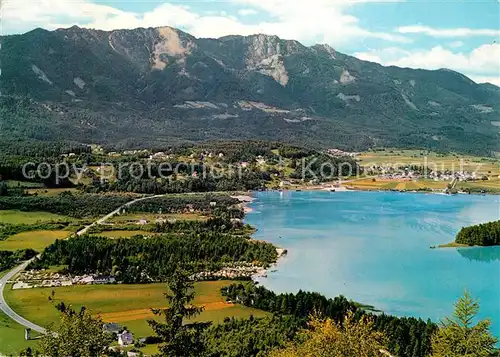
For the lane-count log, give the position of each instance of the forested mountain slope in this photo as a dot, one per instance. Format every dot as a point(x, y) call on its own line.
point(161, 85)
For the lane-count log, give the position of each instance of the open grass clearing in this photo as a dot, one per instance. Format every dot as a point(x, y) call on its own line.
point(435, 161)
point(55, 268)
point(21, 217)
point(435, 185)
point(492, 184)
point(36, 240)
point(12, 337)
point(122, 234)
point(153, 217)
point(26, 184)
point(128, 305)
point(381, 184)
point(50, 191)
point(376, 185)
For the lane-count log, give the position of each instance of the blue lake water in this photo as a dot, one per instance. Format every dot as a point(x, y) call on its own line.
point(373, 247)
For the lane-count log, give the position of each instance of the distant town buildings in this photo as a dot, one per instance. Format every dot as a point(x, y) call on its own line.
point(341, 153)
point(235, 271)
point(40, 278)
point(388, 172)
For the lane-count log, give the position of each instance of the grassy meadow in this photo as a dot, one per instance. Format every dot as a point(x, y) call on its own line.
point(36, 240)
point(38, 188)
point(122, 233)
point(12, 337)
point(152, 217)
point(381, 184)
point(20, 217)
point(128, 305)
point(435, 161)
point(483, 166)
point(490, 185)
point(50, 191)
point(24, 184)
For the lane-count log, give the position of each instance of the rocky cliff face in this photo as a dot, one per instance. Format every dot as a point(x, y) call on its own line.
point(265, 54)
point(105, 84)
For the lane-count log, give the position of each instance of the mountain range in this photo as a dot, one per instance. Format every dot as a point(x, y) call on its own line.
point(161, 86)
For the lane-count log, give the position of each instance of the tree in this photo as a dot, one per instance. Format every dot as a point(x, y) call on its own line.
point(180, 338)
point(458, 336)
point(78, 335)
point(327, 338)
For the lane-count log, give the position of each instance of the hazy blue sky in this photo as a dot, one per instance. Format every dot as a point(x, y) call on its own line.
point(461, 35)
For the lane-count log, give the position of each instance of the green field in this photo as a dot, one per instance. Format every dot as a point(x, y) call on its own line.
point(492, 185)
point(152, 217)
point(20, 217)
point(50, 191)
point(36, 240)
point(12, 337)
point(128, 305)
point(27, 184)
point(435, 161)
point(435, 185)
point(489, 185)
point(122, 234)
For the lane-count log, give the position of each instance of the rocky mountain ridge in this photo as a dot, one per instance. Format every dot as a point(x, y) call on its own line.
point(123, 86)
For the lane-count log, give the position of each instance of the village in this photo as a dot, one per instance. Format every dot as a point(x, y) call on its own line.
point(46, 279)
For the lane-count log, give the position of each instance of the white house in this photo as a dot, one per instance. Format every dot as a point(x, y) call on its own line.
point(285, 183)
point(87, 280)
point(125, 338)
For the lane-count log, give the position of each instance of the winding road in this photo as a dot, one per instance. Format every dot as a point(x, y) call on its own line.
point(4, 307)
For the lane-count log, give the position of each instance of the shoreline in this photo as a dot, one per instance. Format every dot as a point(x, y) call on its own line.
point(245, 200)
point(458, 245)
point(281, 253)
point(263, 279)
point(344, 189)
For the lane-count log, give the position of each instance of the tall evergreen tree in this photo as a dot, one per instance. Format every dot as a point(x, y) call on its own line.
point(459, 336)
point(180, 338)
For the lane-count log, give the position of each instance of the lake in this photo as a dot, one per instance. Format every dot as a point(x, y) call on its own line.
point(373, 247)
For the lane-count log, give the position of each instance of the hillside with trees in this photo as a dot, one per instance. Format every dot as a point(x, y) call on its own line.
point(352, 333)
point(66, 203)
point(485, 234)
point(140, 260)
point(230, 88)
point(407, 337)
